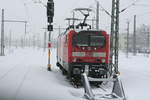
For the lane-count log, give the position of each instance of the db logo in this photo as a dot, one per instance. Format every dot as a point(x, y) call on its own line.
point(88, 54)
point(89, 48)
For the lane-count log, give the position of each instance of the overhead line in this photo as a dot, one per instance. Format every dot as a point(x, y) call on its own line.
point(15, 21)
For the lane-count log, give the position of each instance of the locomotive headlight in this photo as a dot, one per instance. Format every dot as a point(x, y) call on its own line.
point(103, 60)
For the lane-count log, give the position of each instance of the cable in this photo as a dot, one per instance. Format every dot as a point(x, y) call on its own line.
point(104, 10)
point(132, 4)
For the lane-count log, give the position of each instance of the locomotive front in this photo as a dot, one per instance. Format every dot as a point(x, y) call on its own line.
point(89, 54)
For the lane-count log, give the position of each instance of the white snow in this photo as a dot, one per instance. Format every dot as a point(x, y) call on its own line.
point(135, 74)
point(24, 76)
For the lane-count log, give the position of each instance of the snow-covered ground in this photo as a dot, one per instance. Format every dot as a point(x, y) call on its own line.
point(24, 76)
point(135, 75)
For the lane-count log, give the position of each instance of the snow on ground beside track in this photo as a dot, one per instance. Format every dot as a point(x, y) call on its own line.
point(135, 75)
point(24, 76)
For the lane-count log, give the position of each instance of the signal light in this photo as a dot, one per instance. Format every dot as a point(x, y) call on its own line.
point(50, 19)
point(50, 8)
point(49, 45)
point(50, 27)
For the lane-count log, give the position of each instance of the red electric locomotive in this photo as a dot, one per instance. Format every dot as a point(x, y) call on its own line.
point(83, 51)
point(83, 54)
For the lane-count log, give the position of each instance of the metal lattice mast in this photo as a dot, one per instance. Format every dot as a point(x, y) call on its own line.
point(2, 34)
point(97, 16)
point(112, 35)
point(134, 37)
point(114, 39)
point(127, 40)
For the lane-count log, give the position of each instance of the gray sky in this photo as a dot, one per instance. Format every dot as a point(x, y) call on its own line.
point(35, 14)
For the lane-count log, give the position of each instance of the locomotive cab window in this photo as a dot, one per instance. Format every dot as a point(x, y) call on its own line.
point(97, 41)
point(86, 38)
point(80, 40)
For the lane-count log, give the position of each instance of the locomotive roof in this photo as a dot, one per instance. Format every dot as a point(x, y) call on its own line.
point(78, 30)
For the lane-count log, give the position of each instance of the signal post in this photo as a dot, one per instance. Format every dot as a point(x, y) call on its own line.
point(50, 15)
